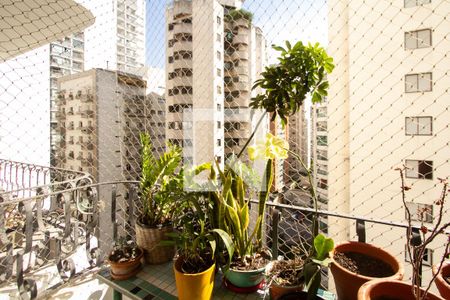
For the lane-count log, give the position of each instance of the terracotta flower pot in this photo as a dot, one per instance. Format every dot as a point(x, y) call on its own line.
point(298, 296)
point(347, 282)
point(148, 238)
point(442, 285)
point(277, 290)
point(194, 286)
point(125, 270)
point(389, 289)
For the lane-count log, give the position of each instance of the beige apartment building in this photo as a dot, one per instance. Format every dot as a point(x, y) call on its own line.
point(319, 150)
point(101, 114)
point(214, 53)
point(388, 106)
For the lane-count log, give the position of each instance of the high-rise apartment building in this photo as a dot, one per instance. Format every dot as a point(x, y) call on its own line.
point(101, 114)
point(388, 106)
point(214, 53)
point(156, 124)
point(116, 41)
point(66, 57)
point(297, 131)
point(319, 150)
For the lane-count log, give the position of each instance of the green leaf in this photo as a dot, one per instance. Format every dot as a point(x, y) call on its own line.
point(323, 246)
point(227, 241)
point(312, 275)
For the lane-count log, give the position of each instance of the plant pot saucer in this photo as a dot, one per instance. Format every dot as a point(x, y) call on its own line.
point(242, 290)
point(125, 276)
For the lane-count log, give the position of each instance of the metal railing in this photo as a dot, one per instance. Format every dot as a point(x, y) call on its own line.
point(68, 227)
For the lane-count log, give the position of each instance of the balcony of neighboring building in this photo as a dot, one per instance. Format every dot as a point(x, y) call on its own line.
point(182, 63)
point(241, 23)
point(86, 129)
point(77, 56)
point(237, 99)
point(182, 8)
point(86, 113)
point(182, 46)
point(237, 114)
point(241, 37)
point(239, 55)
point(238, 86)
point(60, 115)
point(182, 27)
point(237, 130)
point(87, 162)
point(181, 81)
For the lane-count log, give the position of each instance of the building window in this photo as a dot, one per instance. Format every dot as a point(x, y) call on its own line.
point(322, 140)
point(412, 3)
point(170, 27)
point(219, 125)
point(219, 55)
point(418, 39)
point(420, 212)
point(322, 184)
point(427, 257)
point(419, 169)
point(219, 107)
point(421, 82)
point(322, 155)
point(418, 125)
point(219, 142)
point(219, 20)
point(230, 142)
point(219, 37)
point(219, 72)
point(170, 59)
point(219, 89)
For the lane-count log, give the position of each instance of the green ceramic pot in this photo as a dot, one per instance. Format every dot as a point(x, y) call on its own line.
point(245, 279)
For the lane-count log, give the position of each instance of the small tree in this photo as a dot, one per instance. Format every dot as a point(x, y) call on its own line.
point(416, 252)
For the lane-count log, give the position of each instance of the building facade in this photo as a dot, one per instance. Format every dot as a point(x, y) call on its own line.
point(101, 114)
point(388, 107)
point(214, 53)
point(116, 41)
point(319, 150)
point(66, 57)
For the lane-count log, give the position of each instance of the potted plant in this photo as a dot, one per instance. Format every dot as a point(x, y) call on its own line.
point(292, 277)
point(161, 184)
point(355, 263)
point(125, 260)
point(229, 196)
point(443, 278)
point(304, 271)
point(301, 71)
point(196, 241)
point(413, 290)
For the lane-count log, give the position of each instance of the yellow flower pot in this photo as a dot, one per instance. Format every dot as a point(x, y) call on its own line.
point(197, 286)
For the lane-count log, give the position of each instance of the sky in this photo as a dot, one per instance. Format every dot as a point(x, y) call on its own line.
point(279, 20)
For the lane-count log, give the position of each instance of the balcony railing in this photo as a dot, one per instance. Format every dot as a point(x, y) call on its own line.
point(54, 217)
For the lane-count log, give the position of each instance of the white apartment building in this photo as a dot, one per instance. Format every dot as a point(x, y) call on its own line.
point(214, 53)
point(116, 41)
point(388, 106)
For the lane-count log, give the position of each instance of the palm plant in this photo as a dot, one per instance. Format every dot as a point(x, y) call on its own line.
point(161, 183)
